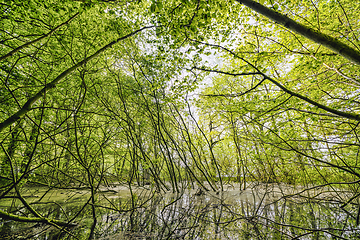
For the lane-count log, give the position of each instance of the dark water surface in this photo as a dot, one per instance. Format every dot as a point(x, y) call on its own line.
point(263, 211)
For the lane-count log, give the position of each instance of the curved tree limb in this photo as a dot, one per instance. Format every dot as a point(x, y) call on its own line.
point(325, 40)
point(27, 106)
point(36, 40)
point(347, 115)
point(10, 216)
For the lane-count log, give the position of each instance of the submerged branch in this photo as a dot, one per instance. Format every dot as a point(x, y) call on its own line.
point(9, 216)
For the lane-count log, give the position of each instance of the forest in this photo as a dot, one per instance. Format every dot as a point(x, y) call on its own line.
point(179, 119)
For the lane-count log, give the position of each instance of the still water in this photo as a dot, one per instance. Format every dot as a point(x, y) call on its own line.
point(262, 211)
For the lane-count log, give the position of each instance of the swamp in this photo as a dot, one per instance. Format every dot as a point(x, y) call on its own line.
point(179, 119)
point(263, 211)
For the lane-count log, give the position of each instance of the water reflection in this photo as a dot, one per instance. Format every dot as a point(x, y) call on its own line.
point(261, 212)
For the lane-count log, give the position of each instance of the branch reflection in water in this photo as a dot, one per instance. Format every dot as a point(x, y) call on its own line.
point(265, 211)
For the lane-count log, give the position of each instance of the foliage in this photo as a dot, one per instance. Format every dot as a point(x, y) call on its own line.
point(176, 94)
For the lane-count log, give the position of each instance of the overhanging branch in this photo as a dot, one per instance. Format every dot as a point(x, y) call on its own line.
point(325, 40)
point(347, 115)
point(27, 106)
point(9, 54)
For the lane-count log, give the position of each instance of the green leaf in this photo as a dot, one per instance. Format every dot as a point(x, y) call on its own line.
point(152, 8)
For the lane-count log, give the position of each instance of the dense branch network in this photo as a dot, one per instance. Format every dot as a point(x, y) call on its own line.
point(27, 106)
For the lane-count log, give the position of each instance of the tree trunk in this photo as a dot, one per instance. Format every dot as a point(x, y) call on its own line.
point(312, 34)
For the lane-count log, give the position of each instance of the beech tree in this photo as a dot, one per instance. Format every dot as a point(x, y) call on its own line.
point(173, 94)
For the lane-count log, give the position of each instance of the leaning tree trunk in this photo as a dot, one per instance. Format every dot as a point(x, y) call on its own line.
point(312, 34)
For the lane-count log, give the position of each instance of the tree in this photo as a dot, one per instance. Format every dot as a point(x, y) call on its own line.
point(96, 93)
